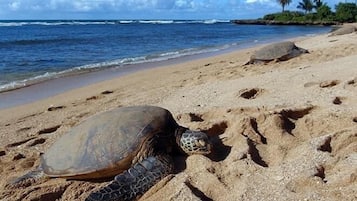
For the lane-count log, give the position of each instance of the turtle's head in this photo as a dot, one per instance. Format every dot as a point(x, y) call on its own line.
point(194, 142)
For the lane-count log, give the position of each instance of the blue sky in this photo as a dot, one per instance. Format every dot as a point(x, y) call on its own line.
point(141, 9)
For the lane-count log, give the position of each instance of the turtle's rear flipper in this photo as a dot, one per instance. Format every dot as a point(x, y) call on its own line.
point(136, 180)
point(28, 177)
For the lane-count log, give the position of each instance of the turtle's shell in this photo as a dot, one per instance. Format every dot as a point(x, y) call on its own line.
point(276, 51)
point(106, 144)
point(344, 30)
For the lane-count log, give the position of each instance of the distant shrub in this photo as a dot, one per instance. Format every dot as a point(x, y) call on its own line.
point(346, 12)
point(324, 13)
point(284, 16)
point(311, 17)
point(269, 17)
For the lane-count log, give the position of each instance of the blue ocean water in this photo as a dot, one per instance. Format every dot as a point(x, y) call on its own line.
point(34, 51)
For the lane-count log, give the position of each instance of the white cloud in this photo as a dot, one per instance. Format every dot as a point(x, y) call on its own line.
point(14, 5)
point(225, 9)
point(83, 6)
point(258, 1)
point(121, 8)
point(261, 4)
point(184, 4)
point(89, 5)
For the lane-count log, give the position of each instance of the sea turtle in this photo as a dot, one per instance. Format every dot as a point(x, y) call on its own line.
point(134, 144)
point(347, 29)
point(277, 51)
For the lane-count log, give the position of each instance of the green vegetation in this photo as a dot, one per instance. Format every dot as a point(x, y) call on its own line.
point(346, 12)
point(318, 4)
point(306, 5)
point(315, 11)
point(284, 3)
point(324, 13)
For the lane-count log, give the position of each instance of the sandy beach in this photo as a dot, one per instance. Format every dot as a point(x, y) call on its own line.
point(287, 130)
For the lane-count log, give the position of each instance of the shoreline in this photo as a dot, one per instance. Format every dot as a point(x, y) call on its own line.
point(274, 22)
point(52, 87)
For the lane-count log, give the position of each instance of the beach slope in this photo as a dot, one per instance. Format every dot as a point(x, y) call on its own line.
point(281, 131)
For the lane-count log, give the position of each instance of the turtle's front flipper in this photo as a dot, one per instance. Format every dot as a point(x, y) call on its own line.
point(135, 181)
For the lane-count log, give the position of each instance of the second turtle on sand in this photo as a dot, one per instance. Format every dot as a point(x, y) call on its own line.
point(281, 51)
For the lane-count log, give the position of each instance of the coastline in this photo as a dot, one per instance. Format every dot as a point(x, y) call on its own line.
point(274, 22)
point(301, 122)
point(52, 87)
point(46, 66)
point(48, 89)
point(45, 89)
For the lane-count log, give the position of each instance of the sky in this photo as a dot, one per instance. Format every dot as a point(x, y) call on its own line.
point(141, 9)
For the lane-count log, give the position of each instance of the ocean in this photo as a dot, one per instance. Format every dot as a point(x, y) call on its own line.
point(36, 51)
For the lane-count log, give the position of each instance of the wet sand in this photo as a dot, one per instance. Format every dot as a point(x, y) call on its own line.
point(285, 130)
point(47, 88)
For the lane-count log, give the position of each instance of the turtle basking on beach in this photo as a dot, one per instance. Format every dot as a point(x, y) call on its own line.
point(347, 29)
point(134, 144)
point(278, 51)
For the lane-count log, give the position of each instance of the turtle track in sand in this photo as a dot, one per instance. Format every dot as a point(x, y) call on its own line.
point(289, 146)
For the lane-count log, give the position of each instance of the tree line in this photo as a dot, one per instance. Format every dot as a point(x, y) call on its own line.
point(315, 10)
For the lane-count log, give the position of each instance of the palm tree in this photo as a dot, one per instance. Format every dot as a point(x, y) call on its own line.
point(318, 4)
point(306, 5)
point(283, 3)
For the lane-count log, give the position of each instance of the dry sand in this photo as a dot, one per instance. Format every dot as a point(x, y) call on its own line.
point(284, 131)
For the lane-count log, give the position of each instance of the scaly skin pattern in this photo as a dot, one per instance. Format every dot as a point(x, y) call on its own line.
point(136, 180)
point(33, 175)
point(194, 142)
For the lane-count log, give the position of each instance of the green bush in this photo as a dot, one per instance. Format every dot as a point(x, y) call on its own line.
point(269, 17)
point(311, 17)
point(324, 13)
point(346, 12)
point(284, 16)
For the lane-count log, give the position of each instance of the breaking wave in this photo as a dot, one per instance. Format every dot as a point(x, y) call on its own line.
point(106, 22)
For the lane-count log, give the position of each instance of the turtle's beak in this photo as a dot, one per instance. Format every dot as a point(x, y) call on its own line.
point(200, 143)
point(195, 142)
point(205, 146)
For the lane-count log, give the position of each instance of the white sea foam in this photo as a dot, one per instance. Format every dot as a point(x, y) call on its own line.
point(214, 21)
point(156, 21)
point(110, 22)
point(126, 21)
point(310, 35)
point(27, 82)
point(55, 23)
